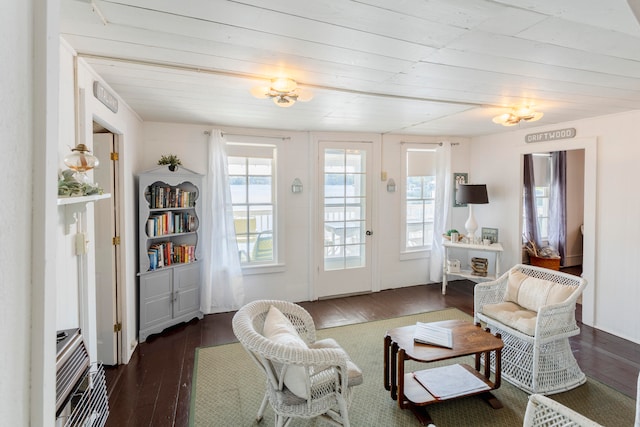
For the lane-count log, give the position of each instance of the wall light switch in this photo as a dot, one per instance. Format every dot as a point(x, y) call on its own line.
point(81, 244)
point(383, 176)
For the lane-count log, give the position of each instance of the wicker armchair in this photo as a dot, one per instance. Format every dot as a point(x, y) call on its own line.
point(323, 372)
point(543, 412)
point(533, 309)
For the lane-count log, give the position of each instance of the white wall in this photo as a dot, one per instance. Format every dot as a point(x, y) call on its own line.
point(612, 294)
point(16, 118)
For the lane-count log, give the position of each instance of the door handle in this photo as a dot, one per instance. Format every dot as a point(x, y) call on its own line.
point(369, 233)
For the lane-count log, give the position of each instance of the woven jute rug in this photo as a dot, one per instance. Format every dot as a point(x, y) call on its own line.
point(228, 388)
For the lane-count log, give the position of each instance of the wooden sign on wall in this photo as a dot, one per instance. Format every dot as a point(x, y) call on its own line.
point(550, 135)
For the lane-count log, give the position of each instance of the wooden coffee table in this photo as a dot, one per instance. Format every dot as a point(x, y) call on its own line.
point(468, 339)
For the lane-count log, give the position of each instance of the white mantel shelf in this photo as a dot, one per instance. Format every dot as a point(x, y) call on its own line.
point(73, 206)
point(82, 199)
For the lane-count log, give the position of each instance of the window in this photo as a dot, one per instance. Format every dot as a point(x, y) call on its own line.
point(252, 180)
point(420, 192)
point(542, 177)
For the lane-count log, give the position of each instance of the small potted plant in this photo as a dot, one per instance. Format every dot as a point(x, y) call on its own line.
point(170, 159)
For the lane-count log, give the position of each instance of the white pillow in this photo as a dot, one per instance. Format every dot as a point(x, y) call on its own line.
point(278, 328)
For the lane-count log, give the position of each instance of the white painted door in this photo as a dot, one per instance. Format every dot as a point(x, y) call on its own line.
point(108, 337)
point(345, 235)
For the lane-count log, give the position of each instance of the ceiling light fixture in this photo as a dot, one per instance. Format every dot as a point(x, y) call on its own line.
point(514, 117)
point(284, 92)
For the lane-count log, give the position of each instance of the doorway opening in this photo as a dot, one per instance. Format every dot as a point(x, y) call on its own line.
point(107, 232)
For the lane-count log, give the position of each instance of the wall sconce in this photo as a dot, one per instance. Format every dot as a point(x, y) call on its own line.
point(296, 186)
point(391, 185)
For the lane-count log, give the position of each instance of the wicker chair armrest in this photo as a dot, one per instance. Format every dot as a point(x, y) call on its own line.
point(489, 293)
point(542, 410)
point(324, 365)
point(556, 320)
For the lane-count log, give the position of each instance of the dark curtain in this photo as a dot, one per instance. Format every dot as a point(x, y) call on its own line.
point(530, 226)
point(558, 203)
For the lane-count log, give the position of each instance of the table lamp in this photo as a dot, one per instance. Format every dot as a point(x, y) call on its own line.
point(472, 194)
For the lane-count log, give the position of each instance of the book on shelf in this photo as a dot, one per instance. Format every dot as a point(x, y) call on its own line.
point(450, 381)
point(428, 333)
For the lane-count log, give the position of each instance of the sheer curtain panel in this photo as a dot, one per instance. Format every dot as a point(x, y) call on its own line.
point(223, 289)
point(441, 220)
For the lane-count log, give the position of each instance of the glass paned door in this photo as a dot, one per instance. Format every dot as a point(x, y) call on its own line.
point(345, 217)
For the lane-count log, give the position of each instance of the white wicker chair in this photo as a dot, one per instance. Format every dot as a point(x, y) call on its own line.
point(540, 359)
point(544, 412)
point(330, 374)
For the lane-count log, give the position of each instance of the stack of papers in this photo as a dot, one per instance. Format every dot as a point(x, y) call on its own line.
point(428, 333)
point(450, 381)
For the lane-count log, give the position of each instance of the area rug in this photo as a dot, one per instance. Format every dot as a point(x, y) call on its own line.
point(228, 388)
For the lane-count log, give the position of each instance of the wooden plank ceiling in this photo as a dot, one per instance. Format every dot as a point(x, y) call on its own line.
point(429, 67)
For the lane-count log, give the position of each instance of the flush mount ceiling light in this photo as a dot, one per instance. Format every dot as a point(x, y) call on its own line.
point(284, 92)
point(514, 117)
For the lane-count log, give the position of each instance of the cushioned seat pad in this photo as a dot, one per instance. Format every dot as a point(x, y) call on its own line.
point(513, 315)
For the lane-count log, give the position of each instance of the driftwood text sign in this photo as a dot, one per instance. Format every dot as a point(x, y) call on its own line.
point(550, 135)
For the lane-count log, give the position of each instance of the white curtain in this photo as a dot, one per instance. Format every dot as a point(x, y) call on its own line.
point(223, 289)
point(441, 220)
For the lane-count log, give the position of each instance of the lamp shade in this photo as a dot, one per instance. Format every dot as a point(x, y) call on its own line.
point(475, 194)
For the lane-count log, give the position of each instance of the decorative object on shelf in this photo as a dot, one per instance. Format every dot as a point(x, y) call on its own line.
point(546, 257)
point(453, 266)
point(70, 186)
point(391, 185)
point(450, 234)
point(170, 159)
point(479, 266)
point(516, 115)
point(472, 194)
point(81, 161)
point(283, 91)
point(458, 178)
point(296, 186)
point(489, 233)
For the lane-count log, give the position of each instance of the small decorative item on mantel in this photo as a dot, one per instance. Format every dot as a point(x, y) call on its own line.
point(70, 186)
point(546, 257)
point(170, 159)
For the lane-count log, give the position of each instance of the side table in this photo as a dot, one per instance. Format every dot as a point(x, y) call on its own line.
point(468, 339)
point(495, 248)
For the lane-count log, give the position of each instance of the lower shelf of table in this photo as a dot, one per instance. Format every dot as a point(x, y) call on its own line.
point(467, 274)
point(417, 395)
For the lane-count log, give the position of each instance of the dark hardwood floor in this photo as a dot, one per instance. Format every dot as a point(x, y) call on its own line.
point(154, 388)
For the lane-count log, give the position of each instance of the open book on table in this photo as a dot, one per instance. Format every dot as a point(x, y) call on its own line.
point(428, 333)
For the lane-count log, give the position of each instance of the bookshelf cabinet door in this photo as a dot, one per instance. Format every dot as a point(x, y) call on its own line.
point(187, 287)
point(156, 298)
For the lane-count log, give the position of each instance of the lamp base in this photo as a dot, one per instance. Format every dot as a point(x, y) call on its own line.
point(471, 225)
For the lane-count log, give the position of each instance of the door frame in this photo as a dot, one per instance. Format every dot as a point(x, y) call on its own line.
point(316, 257)
point(590, 147)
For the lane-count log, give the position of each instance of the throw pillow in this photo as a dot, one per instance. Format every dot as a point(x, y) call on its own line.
point(279, 329)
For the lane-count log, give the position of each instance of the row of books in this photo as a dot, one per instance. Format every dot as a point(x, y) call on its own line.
point(171, 223)
point(161, 197)
point(167, 253)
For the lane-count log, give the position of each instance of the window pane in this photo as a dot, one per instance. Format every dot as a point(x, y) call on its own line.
point(355, 184)
point(262, 217)
point(414, 187)
point(238, 186)
point(415, 235)
point(415, 211)
point(334, 160)
point(356, 161)
point(260, 190)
